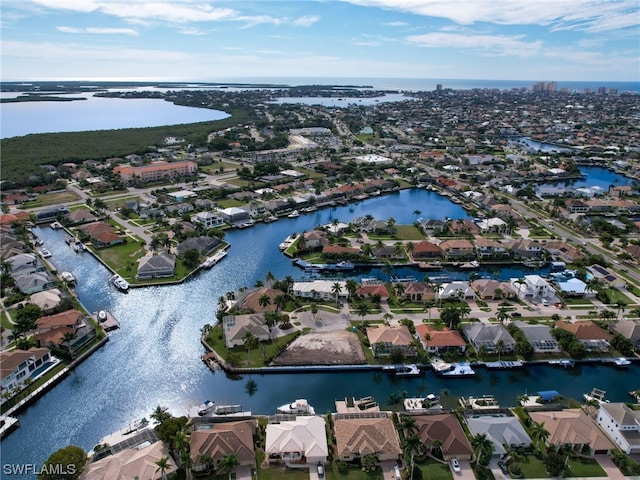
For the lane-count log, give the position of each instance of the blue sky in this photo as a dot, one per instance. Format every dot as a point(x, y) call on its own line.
point(193, 40)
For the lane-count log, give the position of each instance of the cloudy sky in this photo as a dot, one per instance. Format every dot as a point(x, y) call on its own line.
point(207, 40)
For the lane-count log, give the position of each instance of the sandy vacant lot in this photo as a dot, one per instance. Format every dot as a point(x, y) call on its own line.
point(326, 348)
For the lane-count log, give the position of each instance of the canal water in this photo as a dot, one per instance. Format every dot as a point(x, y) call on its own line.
point(154, 358)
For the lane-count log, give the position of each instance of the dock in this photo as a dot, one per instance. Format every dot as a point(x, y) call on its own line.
point(110, 323)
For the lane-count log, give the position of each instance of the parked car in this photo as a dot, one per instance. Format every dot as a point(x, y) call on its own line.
point(455, 465)
point(320, 470)
point(503, 467)
point(516, 314)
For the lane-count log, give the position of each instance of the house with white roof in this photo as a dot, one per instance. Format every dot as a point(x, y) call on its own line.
point(534, 286)
point(303, 440)
point(505, 432)
point(457, 289)
point(207, 219)
point(320, 289)
point(493, 225)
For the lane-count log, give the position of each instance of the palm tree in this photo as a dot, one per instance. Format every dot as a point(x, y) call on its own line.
point(270, 320)
point(160, 414)
point(280, 301)
point(68, 338)
point(500, 347)
point(451, 315)
point(427, 339)
point(409, 424)
point(482, 446)
point(264, 301)
point(412, 445)
point(436, 446)
point(269, 278)
point(520, 281)
point(502, 315)
point(250, 341)
point(336, 289)
point(163, 465)
point(228, 464)
point(538, 433)
point(387, 270)
point(437, 288)
point(314, 310)
point(417, 213)
point(390, 223)
point(352, 287)
point(258, 284)
point(363, 309)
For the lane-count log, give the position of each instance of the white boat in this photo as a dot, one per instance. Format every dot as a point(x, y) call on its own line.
point(56, 226)
point(299, 407)
point(563, 363)
point(287, 242)
point(102, 315)
point(207, 407)
point(403, 370)
point(440, 366)
point(68, 278)
point(621, 362)
point(344, 265)
point(212, 260)
point(44, 253)
point(459, 370)
point(120, 283)
point(294, 214)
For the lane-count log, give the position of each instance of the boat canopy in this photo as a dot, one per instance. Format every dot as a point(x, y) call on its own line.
point(548, 395)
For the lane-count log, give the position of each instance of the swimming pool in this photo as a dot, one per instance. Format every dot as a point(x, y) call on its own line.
point(42, 369)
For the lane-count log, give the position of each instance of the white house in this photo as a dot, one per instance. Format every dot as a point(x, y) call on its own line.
point(320, 289)
point(18, 365)
point(207, 219)
point(304, 438)
point(457, 289)
point(495, 225)
point(622, 425)
point(534, 286)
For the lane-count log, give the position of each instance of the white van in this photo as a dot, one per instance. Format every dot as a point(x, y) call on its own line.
point(545, 302)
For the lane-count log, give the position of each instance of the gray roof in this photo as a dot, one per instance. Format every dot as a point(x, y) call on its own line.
point(203, 244)
point(500, 430)
point(160, 262)
point(621, 413)
point(488, 335)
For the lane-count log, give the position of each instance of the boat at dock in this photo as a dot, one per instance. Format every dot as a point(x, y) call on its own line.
point(621, 362)
point(408, 370)
point(430, 266)
point(44, 253)
point(107, 321)
point(120, 283)
point(504, 364)
point(212, 260)
point(299, 407)
point(294, 214)
point(287, 242)
point(207, 407)
point(440, 366)
point(68, 278)
point(565, 363)
point(459, 370)
point(596, 395)
point(56, 226)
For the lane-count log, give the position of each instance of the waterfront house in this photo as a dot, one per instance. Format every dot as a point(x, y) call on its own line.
point(10, 247)
point(315, 239)
point(456, 290)
point(534, 287)
point(47, 300)
point(563, 251)
point(320, 289)
point(101, 234)
point(418, 291)
point(594, 338)
point(378, 290)
point(207, 219)
point(155, 266)
point(130, 463)
point(574, 287)
point(50, 214)
point(202, 244)
point(388, 252)
point(35, 282)
point(539, 336)
point(629, 329)
point(81, 215)
point(360, 435)
point(24, 264)
point(622, 425)
point(250, 301)
point(432, 226)
point(211, 444)
point(487, 248)
point(489, 289)
point(17, 365)
point(335, 252)
point(369, 225)
point(51, 330)
point(426, 250)
point(457, 249)
point(493, 225)
point(440, 341)
point(573, 429)
point(235, 328)
point(384, 340)
point(303, 440)
point(481, 335)
point(525, 248)
point(505, 432)
point(445, 428)
point(234, 215)
point(464, 227)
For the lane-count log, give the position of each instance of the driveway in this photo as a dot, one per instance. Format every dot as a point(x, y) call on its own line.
point(613, 473)
point(388, 470)
point(466, 472)
point(243, 473)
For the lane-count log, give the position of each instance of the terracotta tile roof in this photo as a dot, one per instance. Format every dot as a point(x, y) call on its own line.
point(584, 330)
point(572, 426)
point(440, 338)
point(9, 360)
point(446, 428)
point(366, 290)
point(366, 435)
point(68, 318)
point(394, 335)
point(225, 439)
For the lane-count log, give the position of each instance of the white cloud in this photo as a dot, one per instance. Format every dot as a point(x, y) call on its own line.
point(396, 24)
point(75, 5)
point(306, 21)
point(172, 12)
point(99, 30)
point(489, 44)
point(583, 14)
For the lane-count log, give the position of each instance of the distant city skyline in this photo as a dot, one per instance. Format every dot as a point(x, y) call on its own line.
point(139, 40)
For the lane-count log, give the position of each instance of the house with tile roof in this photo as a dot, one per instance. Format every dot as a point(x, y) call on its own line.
point(137, 462)
point(51, 330)
point(373, 290)
point(426, 250)
point(573, 428)
point(220, 439)
point(629, 329)
point(250, 300)
point(235, 328)
point(622, 425)
point(360, 435)
point(384, 340)
point(445, 428)
point(303, 440)
point(35, 282)
point(418, 291)
point(489, 289)
point(440, 341)
point(17, 365)
point(155, 266)
point(455, 249)
point(588, 333)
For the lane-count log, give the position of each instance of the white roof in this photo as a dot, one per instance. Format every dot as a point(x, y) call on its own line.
point(304, 434)
point(320, 286)
point(182, 194)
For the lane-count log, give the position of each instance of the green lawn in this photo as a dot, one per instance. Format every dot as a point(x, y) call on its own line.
point(409, 232)
point(51, 199)
point(274, 473)
point(533, 468)
point(4, 321)
point(584, 467)
point(122, 258)
point(353, 473)
point(434, 470)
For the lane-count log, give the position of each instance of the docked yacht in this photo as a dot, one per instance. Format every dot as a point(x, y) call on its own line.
point(299, 407)
point(68, 278)
point(459, 370)
point(294, 214)
point(621, 362)
point(410, 370)
point(207, 407)
point(120, 283)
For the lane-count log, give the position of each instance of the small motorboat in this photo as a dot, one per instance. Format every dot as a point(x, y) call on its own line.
point(206, 408)
point(102, 315)
point(299, 407)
